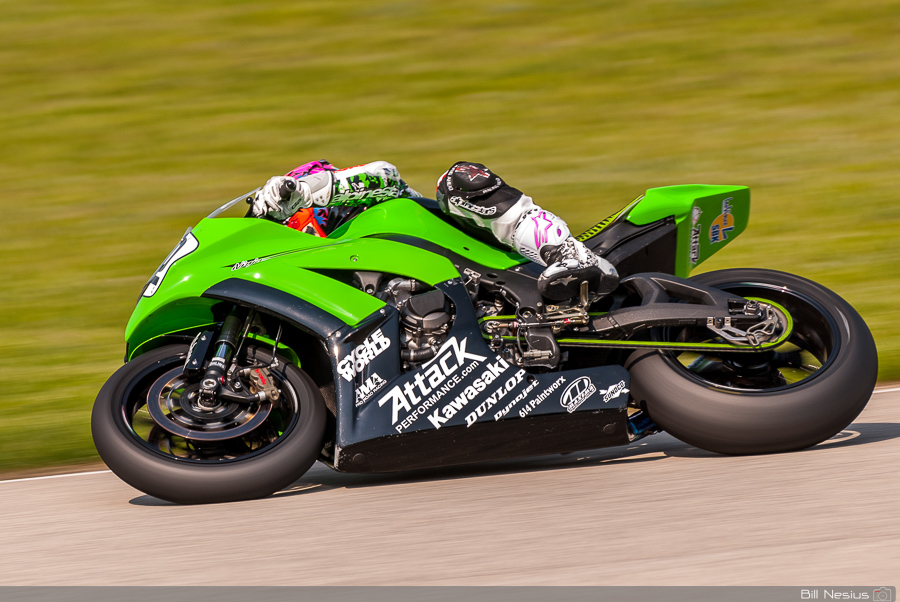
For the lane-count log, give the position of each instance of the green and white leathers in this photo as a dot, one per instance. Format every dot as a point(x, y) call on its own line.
point(479, 199)
point(363, 185)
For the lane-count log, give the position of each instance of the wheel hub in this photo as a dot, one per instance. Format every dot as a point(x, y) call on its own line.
point(193, 404)
point(176, 406)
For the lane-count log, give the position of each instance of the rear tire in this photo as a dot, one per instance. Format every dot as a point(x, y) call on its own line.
point(204, 476)
point(717, 408)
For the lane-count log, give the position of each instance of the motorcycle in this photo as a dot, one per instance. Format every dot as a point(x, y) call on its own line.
point(399, 341)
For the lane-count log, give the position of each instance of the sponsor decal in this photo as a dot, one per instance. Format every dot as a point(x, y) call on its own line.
point(422, 408)
point(695, 235)
point(723, 224)
point(369, 388)
point(492, 373)
point(355, 362)
point(495, 397)
point(614, 391)
point(464, 204)
point(583, 387)
point(366, 196)
point(577, 393)
point(531, 405)
point(435, 378)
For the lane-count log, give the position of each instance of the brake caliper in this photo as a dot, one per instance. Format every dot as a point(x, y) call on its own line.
point(261, 380)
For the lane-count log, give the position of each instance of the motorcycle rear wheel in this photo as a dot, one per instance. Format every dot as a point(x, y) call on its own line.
point(803, 393)
point(265, 450)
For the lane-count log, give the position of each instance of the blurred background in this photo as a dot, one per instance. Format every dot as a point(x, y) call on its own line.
point(125, 121)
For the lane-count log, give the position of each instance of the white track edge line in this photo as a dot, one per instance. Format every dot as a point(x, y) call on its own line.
point(891, 390)
point(81, 474)
point(55, 476)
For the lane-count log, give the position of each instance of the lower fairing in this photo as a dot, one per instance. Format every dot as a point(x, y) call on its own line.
point(514, 438)
point(466, 404)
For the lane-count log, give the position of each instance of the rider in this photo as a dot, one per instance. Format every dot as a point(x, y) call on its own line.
point(476, 198)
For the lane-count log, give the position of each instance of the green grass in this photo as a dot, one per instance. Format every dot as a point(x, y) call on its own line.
point(124, 122)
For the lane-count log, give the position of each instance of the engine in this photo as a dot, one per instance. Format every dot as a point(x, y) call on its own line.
point(425, 313)
point(425, 319)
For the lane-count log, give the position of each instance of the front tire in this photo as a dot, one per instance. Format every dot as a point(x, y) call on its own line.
point(729, 405)
point(185, 471)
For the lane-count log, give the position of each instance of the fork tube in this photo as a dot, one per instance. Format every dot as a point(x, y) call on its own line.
point(225, 347)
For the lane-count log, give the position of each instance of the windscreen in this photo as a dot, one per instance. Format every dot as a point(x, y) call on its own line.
point(236, 207)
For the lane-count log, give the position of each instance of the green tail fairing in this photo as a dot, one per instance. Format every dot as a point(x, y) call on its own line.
point(708, 218)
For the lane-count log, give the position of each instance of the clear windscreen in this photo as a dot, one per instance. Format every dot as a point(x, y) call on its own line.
point(236, 207)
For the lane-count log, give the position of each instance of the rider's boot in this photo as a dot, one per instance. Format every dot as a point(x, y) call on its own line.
point(571, 263)
point(544, 238)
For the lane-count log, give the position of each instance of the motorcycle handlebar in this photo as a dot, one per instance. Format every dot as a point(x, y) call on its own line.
point(288, 187)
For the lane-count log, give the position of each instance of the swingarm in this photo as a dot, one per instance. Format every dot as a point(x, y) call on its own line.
point(739, 324)
point(670, 301)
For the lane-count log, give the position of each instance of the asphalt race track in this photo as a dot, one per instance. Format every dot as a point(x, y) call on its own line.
point(656, 513)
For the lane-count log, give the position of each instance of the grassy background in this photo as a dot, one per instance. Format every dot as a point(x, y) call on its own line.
point(123, 122)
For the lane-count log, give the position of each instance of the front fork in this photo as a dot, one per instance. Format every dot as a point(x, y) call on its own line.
point(226, 345)
point(218, 374)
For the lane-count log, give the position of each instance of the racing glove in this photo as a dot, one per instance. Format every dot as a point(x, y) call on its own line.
point(314, 189)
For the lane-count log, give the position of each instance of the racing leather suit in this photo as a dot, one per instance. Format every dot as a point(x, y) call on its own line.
point(479, 200)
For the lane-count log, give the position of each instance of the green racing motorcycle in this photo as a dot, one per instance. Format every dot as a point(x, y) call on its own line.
point(400, 342)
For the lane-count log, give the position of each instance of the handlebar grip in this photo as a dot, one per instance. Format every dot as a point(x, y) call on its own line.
point(288, 187)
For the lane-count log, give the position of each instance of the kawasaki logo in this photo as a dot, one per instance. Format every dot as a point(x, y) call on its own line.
point(365, 352)
point(439, 417)
point(432, 374)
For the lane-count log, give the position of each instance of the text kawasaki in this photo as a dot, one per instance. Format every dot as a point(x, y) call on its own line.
point(436, 379)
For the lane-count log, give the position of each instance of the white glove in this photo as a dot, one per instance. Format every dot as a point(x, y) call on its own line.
point(268, 199)
point(314, 189)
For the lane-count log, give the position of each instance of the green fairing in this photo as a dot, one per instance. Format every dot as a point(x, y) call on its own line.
point(407, 217)
point(712, 231)
point(285, 259)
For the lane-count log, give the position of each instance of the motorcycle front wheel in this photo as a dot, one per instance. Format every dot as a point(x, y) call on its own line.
point(152, 434)
point(803, 392)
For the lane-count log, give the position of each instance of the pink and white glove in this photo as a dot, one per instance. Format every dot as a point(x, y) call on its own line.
point(313, 189)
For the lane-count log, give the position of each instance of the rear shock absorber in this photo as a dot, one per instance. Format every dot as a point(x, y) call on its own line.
point(226, 345)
